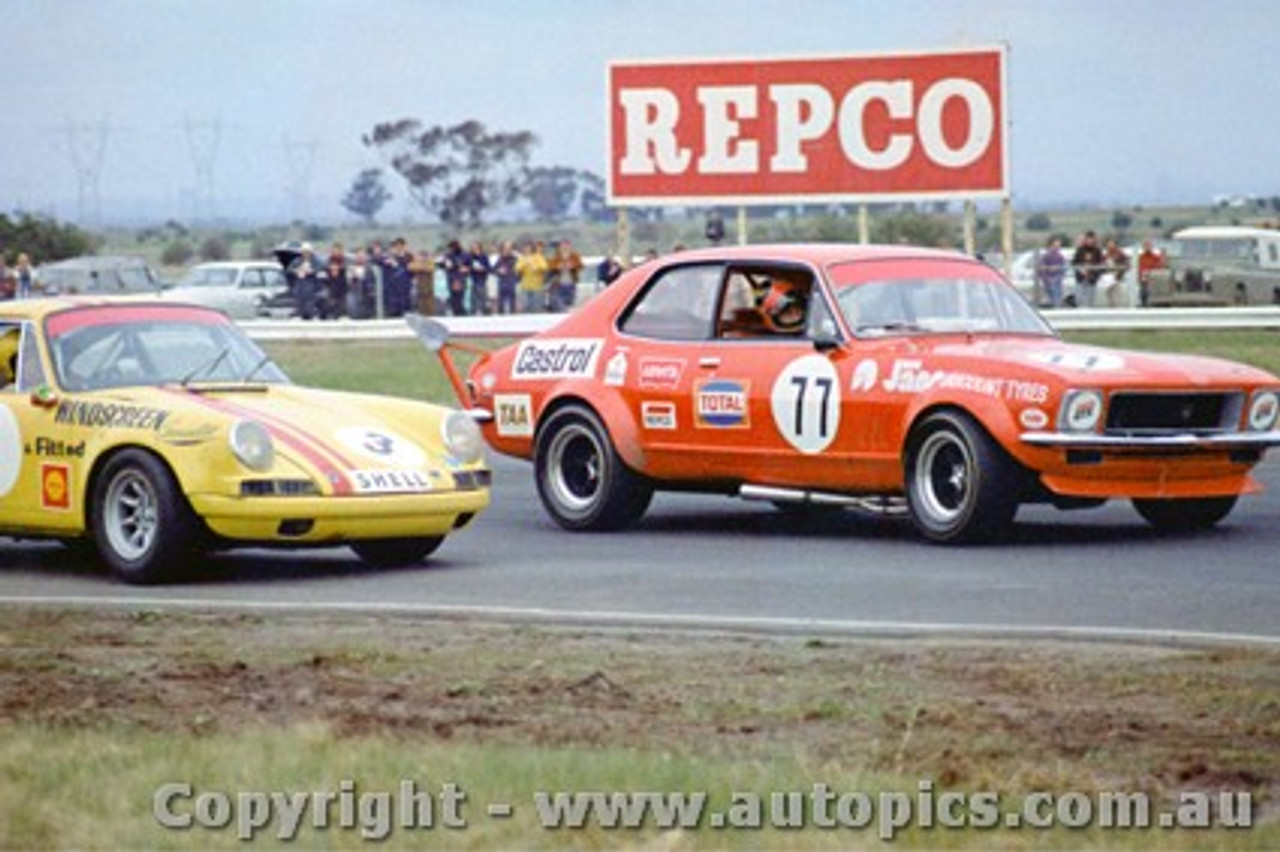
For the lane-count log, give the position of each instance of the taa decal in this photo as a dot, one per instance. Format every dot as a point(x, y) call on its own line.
point(806, 403)
point(55, 487)
point(513, 415)
point(722, 404)
point(381, 445)
point(658, 415)
point(568, 358)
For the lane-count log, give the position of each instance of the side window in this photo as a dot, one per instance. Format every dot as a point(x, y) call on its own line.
point(31, 373)
point(770, 303)
point(20, 367)
point(252, 279)
point(678, 305)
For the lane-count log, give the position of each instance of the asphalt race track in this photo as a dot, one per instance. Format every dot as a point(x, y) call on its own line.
point(719, 563)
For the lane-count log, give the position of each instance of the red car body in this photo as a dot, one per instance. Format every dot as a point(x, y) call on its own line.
point(918, 379)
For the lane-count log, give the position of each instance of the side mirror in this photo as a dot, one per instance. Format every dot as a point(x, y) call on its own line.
point(826, 343)
point(432, 333)
point(43, 396)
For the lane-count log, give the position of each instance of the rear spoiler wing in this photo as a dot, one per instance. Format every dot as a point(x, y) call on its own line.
point(440, 335)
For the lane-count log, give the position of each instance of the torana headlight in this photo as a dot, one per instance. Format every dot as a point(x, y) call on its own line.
point(251, 443)
point(1081, 411)
point(1263, 411)
point(462, 438)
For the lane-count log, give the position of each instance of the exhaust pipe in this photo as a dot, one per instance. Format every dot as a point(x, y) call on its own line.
point(877, 505)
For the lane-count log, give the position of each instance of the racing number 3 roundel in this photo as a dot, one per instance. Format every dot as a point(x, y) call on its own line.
point(806, 403)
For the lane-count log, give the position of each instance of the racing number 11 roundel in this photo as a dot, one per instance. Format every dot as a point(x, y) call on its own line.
point(806, 403)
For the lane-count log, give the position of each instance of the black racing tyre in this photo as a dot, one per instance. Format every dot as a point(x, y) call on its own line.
point(583, 483)
point(1197, 513)
point(143, 527)
point(962, 488)
point(396, 552)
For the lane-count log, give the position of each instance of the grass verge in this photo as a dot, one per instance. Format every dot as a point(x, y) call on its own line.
point(101, 709)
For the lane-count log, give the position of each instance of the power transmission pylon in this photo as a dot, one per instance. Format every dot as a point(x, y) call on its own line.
point(202, 142)
point(300, 158)
point(88, 146)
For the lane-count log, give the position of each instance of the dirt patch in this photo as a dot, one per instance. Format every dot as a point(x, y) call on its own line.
point(974, 714)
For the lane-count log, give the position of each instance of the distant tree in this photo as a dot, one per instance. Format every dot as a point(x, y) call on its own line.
point(215, 248)
point(458, 173)
point(551, 191)
point(1039, 222)
point(1121, 220)
point(177, 253)
point(42, 238)
point(592, 196)
point(367, 196)
point(917, 230)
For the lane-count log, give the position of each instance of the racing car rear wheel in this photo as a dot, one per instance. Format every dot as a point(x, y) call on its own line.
point(142, 525)
point(961, 486)
point(1198, 513)
point(396, 552)
point(583, 483)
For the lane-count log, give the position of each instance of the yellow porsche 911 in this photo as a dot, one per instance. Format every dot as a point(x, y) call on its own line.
point(158, 430)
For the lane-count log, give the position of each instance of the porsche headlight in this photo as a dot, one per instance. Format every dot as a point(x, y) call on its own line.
point(1081, 410)
point(462, 438)
point(251, 444)
point(1263, 411)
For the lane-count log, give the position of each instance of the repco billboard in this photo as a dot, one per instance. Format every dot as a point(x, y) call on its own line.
point(809, 129)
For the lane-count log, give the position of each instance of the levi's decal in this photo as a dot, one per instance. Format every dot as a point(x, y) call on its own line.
point(806, 403)
point(722, 404)
point(661, 373)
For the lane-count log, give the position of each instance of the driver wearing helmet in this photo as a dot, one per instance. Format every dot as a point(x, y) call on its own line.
point(784, 307)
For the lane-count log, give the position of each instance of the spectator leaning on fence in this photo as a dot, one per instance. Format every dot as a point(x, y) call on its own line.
point(531, 266)
point(1149, 260)
point(1088, 264)
point(504, 268)
point(1118, 265)
point(566, 267)
point(1051, 269)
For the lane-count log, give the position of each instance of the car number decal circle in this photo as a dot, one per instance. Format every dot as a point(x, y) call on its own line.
point(806, 403)
point(381, 445)
point(10, 451)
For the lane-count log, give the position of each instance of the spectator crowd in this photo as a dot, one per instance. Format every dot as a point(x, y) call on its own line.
point(391, 281)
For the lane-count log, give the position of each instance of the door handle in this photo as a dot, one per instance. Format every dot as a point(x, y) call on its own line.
point(709, 363)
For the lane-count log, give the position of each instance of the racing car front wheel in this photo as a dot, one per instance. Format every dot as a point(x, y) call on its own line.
point(142, 525)
point(583, 483)
point(396, 552)
point(1197, 513)
point(961, 486)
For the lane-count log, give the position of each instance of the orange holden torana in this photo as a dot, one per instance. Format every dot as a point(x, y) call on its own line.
point(890, 377)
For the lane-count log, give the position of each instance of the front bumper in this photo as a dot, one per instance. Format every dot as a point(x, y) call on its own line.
point(323, 520)
point(1189, 442)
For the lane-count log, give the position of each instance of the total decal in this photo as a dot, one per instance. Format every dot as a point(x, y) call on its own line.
point(563, 358)
point(722, 404)
point(909, 376)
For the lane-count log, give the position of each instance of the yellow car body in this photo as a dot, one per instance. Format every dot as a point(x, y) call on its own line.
point(158, 430)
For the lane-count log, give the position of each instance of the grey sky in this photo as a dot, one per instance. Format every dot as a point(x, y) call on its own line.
point(1144, 101)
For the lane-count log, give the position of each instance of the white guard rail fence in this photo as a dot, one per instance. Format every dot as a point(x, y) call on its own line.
point(519, 325)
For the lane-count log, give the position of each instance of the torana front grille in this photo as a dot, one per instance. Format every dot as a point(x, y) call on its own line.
point(1146, 413)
